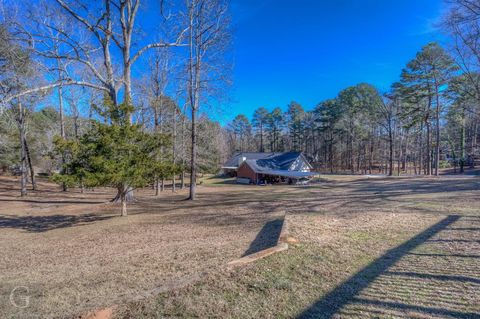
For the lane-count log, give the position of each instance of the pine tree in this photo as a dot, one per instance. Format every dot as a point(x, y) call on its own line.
point(259, 122)
point(424, 82)
point(118, 155)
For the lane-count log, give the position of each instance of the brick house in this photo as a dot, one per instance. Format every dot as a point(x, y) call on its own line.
point(260, 168)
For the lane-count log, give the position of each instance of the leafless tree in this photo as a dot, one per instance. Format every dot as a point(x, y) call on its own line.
point(208, 35)
point(462, 23)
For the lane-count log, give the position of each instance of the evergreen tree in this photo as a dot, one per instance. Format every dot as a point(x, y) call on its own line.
point(425, 80)
point(118, 154)
point(295, 121)
point(259, 122)
point(275, 124)
point(242, 132)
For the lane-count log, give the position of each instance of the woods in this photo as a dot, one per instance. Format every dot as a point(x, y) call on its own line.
point(427, 121)
point(87, 58)
point(83, 63)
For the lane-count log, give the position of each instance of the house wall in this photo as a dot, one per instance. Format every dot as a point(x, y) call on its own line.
point(246, 172)
point(300, 165)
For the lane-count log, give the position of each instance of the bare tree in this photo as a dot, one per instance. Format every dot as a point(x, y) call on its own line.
point(96, 33)
point(207, 36)
point(462, 23)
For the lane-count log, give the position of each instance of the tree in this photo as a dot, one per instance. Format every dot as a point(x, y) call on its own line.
point(464, 109)
point(119, 155)
point(259, 121)
point(326, 116)
point(275, 123)
point(242, 131)
point(16, 70)
point(207, 35)
point(294, 118)
point(462, 22)
point(387, 115)
point(428, 76)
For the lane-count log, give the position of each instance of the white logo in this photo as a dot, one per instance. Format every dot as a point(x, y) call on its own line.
point(19, 297)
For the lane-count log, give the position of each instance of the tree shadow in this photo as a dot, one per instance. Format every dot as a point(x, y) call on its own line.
point(35, 201)
point(394, 284)
point(38, 224)
point(267, 237)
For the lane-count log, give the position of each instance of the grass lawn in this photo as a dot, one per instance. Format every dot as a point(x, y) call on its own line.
point(379, 247)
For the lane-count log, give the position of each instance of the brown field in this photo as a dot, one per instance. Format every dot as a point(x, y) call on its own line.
point(379, 247)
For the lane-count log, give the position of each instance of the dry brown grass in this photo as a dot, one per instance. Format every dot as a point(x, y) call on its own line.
point(75, 254)
point(372, 248)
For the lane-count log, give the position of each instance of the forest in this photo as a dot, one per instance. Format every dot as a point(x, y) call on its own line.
point(427, 121)
point(109, 93)
point(93, 95)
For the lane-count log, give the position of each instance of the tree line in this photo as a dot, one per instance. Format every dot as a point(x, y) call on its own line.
point(116, 93)
point(428, 119)
point(126, 85)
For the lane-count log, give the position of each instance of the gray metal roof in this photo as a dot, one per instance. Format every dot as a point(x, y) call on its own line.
point(280, 161)
point(236, 159)
point(268, 170)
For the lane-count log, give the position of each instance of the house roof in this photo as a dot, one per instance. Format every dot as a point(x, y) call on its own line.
point(282, 161)
point(236, 159)
point(254, 165)
point(266, 161)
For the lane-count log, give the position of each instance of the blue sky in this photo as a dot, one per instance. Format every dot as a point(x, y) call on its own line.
point(307, 50)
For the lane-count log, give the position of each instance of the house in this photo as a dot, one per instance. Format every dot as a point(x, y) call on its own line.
point(260, 168)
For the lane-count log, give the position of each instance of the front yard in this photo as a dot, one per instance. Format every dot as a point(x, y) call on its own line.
point(399, 247)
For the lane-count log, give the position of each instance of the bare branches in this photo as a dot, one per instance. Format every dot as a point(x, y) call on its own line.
point(51, 86)
point(155, 45)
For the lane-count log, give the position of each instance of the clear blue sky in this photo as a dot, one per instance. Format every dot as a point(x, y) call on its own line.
point(309, 50)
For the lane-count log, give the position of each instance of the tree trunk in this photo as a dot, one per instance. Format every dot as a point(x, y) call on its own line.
point(30, 166)
point(128, 194)
point(261, 136)
point(62, 128)
point(462, 144)
point(195, 45)
point(429, 148)
point(420, 155)
point(370, 158)
point(157, 186)
point(437, 132)
point(62, 120)
point(390, 150)
point(193, 161)
point(174, 146)
point(23, 152)
point(124, 206)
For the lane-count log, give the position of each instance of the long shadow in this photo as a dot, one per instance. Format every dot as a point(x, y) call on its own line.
point(434, 276)
point(267, 237)
point(332, 302)
point(454, 241)
point(430, 310)
point(52, 201)
point(38, 224)
point(445, 255)
point(413, 186)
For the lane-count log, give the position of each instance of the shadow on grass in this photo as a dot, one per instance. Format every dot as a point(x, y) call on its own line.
point(35, 201)
point(266, 238)
point(369, 287)
point(37, 224)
